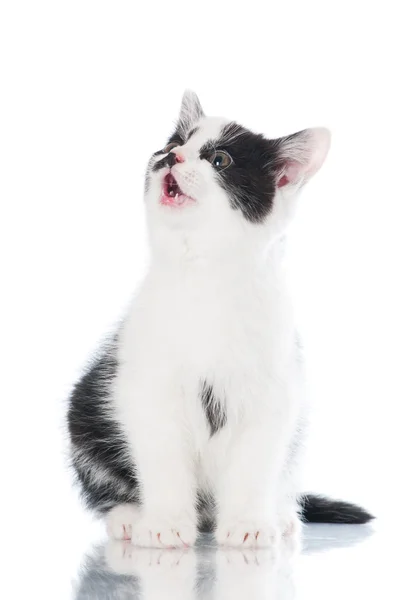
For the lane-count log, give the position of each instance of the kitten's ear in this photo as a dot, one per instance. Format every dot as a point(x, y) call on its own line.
point(301, 155)
point(191, 110)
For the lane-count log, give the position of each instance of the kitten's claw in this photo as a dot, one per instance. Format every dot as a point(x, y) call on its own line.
point(120, 521)
point(158, 533)
point(248, 534)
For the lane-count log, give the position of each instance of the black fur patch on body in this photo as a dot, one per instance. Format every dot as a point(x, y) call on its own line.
point(206, 509)
point(100, 452)
point(215, 412)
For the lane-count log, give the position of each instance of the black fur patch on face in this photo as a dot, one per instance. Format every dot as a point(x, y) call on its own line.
point(160, 164)
point(100, 453)
point(191, 133)
point(168, 161)
point(214, 410)
point(177, 137)
point(164, 162)
point(250, 180)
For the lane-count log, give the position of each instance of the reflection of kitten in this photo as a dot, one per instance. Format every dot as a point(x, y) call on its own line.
point(97, 579)
point(122, 571)
point(160, 573)
point(200, 391)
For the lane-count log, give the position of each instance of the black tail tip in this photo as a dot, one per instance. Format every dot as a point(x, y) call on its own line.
point(317, 509)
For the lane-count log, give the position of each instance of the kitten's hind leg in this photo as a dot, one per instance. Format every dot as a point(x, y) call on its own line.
point(289, 508)
point(120, 521)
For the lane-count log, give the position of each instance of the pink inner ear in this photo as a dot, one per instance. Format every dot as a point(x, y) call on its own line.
point(290, 174)
point(282, 181)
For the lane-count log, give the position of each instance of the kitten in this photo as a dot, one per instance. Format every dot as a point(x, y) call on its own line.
point(192, 416)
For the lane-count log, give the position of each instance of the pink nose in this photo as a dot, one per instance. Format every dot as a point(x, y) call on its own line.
point(179, 158)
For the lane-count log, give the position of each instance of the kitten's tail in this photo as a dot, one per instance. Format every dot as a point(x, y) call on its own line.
point(317, 509)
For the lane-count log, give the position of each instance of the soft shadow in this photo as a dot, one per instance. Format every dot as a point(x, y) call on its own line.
point(322, 538)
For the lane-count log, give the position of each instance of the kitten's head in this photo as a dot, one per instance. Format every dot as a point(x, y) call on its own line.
point(220, 183)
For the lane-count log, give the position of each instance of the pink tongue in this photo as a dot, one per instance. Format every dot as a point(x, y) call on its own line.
point(173, 200)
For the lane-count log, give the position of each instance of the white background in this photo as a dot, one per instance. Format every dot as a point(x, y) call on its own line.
point(88, 91)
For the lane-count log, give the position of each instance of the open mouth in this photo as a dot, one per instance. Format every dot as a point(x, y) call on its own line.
point(172, 195)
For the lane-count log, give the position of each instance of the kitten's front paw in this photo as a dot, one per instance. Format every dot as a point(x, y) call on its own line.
point(248, 534)
point(157, 532)
point(120, 521)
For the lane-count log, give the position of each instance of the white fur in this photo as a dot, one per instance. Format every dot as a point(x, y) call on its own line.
point(214, 306)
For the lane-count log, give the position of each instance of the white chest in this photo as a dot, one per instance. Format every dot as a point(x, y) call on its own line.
point(209, 321)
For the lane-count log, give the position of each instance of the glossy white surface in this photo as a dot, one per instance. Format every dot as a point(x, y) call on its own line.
point(336, 562)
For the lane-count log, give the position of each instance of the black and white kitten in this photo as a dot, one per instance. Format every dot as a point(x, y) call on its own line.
point(198, 401)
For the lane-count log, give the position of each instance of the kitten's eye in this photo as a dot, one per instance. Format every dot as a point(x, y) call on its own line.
point(220, 160)
point(170, 147)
